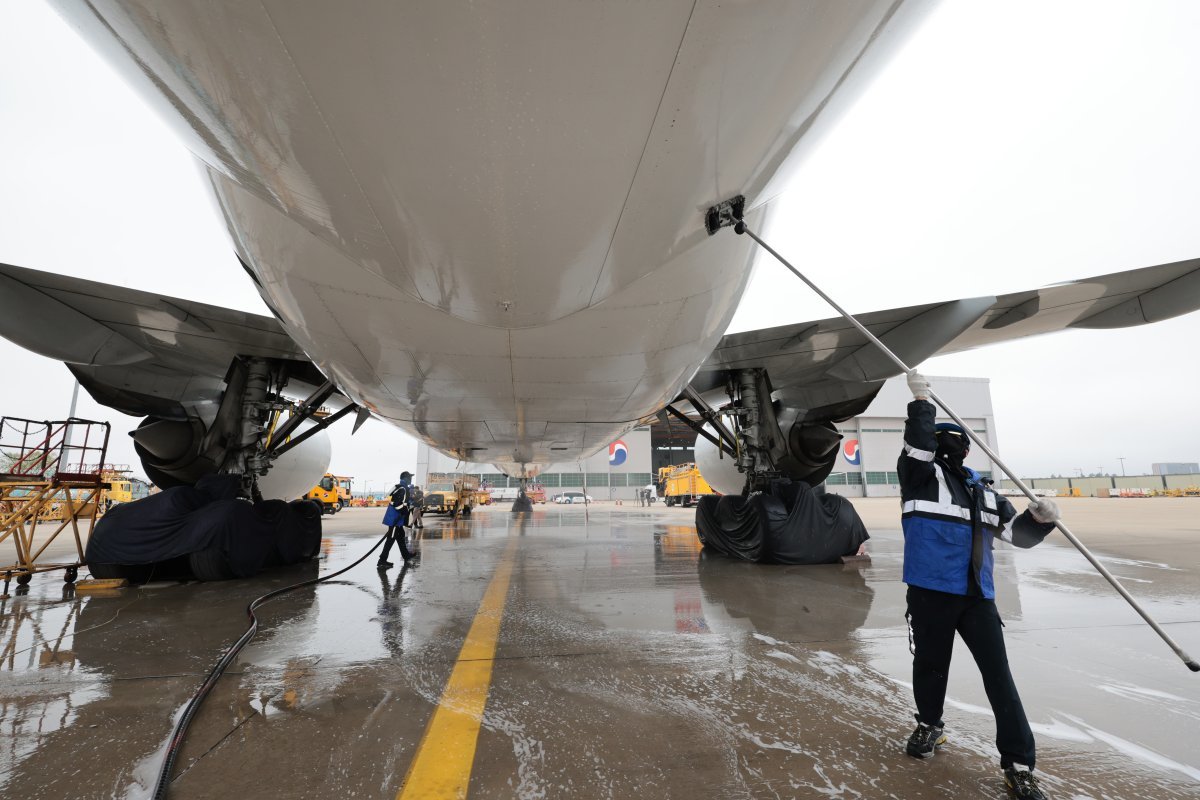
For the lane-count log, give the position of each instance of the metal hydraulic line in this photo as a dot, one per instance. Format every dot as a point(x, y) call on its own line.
point(303, 412)
point(710, 415)
point(319, 425)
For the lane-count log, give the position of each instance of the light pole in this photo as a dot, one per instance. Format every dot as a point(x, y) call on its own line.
point(1122, 460)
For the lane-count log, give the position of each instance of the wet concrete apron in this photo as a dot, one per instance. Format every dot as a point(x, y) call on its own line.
point(626, 664)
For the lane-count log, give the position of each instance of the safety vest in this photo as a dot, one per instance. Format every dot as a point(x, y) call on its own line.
point(950, 522)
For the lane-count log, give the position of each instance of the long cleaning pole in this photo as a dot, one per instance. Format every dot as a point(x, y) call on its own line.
point(742, 228)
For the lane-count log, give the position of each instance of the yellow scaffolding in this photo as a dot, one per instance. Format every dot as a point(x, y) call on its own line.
point(47, 486)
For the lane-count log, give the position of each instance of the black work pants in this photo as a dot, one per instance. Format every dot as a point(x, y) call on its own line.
point(395, 534)
point(935, 616)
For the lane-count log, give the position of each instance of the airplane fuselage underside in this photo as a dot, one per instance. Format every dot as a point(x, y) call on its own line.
point(485, 221)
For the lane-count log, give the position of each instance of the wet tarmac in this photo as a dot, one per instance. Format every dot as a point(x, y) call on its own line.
point(627, 663)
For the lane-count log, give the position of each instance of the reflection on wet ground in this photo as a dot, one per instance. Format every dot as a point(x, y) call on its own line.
point(629, 663)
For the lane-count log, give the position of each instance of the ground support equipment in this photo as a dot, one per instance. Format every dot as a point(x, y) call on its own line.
point(50, 480)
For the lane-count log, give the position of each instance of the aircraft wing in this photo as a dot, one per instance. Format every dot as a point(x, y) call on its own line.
point(138, 352)
point(828, 364)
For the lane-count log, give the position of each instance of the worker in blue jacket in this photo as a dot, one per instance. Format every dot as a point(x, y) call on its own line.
point(951, 517)
point(396, 518)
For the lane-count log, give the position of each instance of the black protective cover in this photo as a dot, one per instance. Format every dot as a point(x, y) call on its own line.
point(790, 524)
point(183, 520)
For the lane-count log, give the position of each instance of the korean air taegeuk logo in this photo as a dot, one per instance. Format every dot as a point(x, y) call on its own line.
point(851, 452)
point(617, 453)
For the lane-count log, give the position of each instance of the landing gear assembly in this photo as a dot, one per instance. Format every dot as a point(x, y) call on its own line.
point(522, 504)
point(258, 445)
point(770, 462)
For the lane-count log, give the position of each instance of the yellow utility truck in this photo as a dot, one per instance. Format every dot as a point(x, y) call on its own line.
point(683, 484)
point(123, 488)
point(332, 493)
point(450, 493)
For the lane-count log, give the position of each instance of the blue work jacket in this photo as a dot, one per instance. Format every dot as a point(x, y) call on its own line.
point(951, 519)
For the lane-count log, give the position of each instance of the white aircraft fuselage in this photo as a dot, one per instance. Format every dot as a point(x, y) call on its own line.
point(484, 221)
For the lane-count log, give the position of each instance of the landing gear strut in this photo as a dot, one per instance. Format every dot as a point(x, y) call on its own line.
point(522, 504)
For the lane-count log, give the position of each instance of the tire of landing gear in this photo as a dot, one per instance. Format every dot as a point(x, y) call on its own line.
point(209, 564)
point(24, 578)
point(134, 573)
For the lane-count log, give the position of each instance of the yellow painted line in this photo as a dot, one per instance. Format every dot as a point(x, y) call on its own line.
point(442, 766)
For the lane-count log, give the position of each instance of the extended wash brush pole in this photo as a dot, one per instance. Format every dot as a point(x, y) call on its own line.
point(741, 227)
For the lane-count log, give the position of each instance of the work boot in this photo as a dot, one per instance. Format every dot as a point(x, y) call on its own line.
point(1022, 784)
point(925, 739)
point(384, 565)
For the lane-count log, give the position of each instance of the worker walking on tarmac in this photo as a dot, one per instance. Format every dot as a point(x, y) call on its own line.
point(418, 507)
point(950, 519)
point(396, 517)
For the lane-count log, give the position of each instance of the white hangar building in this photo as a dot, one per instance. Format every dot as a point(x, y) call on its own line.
point(614, 473)
point(866, 465)
point(871, 443)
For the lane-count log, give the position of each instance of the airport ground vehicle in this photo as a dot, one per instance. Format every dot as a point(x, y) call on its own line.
point(119, 486)
point(448, 493)
point(332, 492)
point(536, 494)
point(683, 484)
point(573, 497)
point(123, 487)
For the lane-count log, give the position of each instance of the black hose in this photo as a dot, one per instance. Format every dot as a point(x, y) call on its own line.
point(189, 712)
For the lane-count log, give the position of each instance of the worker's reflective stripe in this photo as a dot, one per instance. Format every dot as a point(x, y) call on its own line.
point(442, 766)
point(944, 507)
point(949, 510)
point(938, 509)
point(918, 454)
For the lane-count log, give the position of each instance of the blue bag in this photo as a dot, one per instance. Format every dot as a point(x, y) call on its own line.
point(393, 516)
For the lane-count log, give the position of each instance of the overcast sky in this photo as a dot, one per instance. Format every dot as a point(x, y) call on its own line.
point(1008, 146)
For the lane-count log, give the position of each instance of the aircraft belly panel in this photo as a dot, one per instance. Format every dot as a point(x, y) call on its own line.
point(607, 365)
point(458, 208)
point(508, 163)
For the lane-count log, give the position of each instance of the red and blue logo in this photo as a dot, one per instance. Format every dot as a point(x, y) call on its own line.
point(617, 453)
point(851, 452)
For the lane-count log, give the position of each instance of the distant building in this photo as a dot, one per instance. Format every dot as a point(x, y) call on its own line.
point(871, 443)
point(616, 472)
point(865, 466)
point(1175, 468)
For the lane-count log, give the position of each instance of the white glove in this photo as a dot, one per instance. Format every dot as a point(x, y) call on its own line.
point(1044, 511)
point(919, 385)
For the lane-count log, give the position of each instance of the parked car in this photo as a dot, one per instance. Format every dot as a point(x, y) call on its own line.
point(574, 497)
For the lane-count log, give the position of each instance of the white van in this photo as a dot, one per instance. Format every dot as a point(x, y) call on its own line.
point(574, 497)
